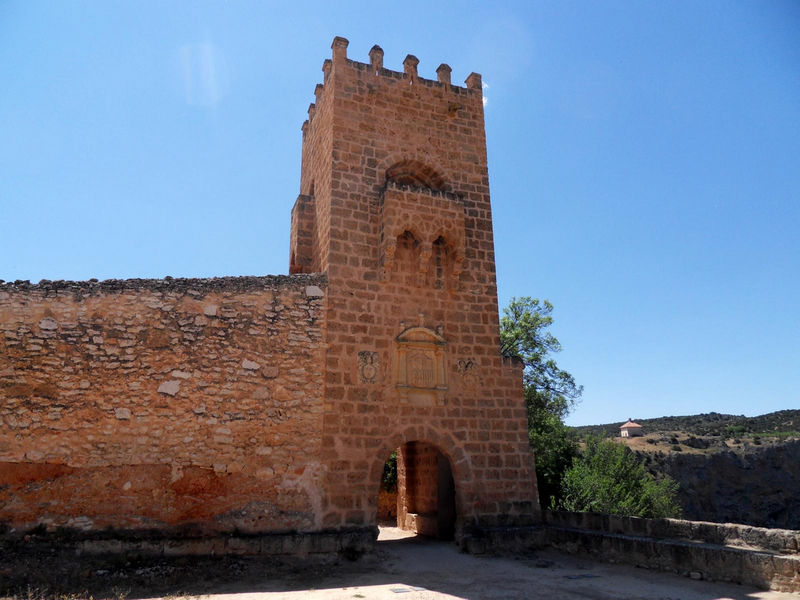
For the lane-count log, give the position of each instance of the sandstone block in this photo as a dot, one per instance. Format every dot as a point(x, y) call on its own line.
point(169, 388)
point(270, 372)
point(314, 291)
point(48, 324)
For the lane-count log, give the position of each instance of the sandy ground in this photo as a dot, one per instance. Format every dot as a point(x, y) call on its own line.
point(408, 568)
point(403, 568)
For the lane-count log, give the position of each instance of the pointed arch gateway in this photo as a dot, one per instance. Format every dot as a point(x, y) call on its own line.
point(432, 477)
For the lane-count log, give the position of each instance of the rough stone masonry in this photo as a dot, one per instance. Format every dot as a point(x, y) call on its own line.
point(268, 405)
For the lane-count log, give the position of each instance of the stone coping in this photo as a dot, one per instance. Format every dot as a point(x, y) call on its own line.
point(201, 285)
point(693, 558)
point(776, 541)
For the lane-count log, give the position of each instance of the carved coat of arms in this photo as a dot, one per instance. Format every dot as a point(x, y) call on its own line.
point(368, 363)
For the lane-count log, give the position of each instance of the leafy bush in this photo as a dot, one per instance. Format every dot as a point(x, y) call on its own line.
point(554, 447)
point(389, 477)
point(608, 478)
point(735, 430)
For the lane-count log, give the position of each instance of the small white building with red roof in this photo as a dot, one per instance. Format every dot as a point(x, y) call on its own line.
point(630, 429)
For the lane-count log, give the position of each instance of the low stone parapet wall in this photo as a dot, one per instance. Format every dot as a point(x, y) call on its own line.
point(781, 541)
point(350, 543)
point(766, 558)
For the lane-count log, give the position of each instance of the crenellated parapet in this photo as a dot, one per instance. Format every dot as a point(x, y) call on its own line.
point(369, 126)
point(409, 74)
point(410, 66)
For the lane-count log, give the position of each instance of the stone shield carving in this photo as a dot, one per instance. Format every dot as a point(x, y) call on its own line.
point(368, 363)
point(468, 369)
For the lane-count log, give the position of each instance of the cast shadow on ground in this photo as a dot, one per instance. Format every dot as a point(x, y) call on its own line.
point(409, 568)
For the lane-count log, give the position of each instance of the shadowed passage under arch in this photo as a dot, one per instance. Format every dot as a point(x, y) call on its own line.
point(424, 494)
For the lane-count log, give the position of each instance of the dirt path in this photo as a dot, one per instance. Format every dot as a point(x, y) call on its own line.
point(402, 568)
point(413, 569)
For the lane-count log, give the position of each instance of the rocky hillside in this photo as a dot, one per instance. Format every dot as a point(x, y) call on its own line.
point(757, 486)
point(783, 423)
point(730, 468)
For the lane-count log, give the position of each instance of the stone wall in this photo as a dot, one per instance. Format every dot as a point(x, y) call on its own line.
point(162, 403)
point(271, 404)
point(767, 558)
point(387, 507)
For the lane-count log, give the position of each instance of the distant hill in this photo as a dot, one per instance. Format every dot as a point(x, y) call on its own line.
point(781, 423)
point(729, 468)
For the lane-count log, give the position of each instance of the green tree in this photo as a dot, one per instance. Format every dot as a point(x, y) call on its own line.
point(389, 476)
point(550, 392)
point(554, 447)
point(608, 478)
point(523, 333)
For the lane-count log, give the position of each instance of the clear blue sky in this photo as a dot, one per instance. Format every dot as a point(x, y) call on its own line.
point(644, 164)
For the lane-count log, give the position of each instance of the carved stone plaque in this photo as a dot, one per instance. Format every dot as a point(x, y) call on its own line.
point(420, 374)
point(420, 369)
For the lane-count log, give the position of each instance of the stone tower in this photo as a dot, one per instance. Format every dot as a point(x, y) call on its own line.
point(394, 208)
point(201, 409)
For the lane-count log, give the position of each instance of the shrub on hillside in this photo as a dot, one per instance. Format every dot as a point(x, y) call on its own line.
point(608, 478)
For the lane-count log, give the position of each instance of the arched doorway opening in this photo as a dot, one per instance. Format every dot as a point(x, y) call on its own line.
point(424, 491)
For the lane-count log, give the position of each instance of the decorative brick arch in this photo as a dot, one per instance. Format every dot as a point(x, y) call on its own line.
point(428, 215)
point(413, 171)
point(453, 239)
point(391, 244)
point(414, 229)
